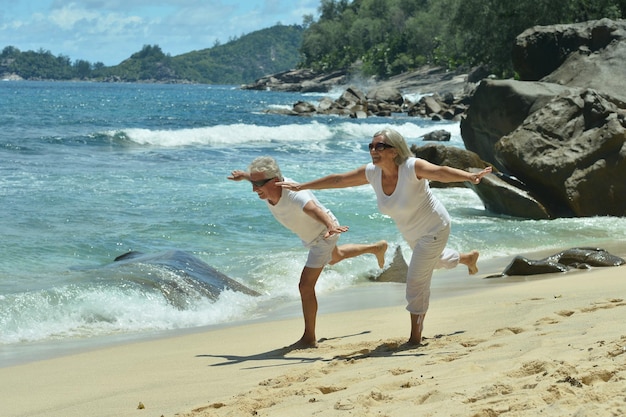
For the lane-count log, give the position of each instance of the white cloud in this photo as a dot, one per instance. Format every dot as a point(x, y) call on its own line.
point(109, 31)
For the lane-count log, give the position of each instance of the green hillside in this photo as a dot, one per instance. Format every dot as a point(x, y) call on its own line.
point(239, 61)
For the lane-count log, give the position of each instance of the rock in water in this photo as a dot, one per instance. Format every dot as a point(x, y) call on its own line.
point(397, 270)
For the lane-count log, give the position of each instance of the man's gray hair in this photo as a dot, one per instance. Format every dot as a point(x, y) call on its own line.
point(266, 165)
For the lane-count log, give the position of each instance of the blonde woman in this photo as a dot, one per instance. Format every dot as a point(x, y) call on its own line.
point(400, 182)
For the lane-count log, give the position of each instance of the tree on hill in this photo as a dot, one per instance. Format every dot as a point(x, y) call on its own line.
point(393, 36)
point(246, 58)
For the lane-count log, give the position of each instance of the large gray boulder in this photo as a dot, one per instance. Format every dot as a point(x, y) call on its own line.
point(499, 107)
point(563, 137)
point(589, 54)
point(572, 154)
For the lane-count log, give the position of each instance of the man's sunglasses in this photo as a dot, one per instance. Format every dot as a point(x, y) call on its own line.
point(261, 183)
point(379, 146)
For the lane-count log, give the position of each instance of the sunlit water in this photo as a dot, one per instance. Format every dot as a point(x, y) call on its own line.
point(90, 171)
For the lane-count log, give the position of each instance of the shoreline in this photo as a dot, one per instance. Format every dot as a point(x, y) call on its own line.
point(487, 349)
point(496, 348)
point(365, 296)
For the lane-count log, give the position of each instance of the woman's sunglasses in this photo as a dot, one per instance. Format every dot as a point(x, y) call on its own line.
point(261, 183)
point(379, 146)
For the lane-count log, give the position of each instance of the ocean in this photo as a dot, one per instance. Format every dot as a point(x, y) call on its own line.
point(90, 171)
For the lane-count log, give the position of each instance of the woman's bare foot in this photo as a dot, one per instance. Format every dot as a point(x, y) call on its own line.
point(381, 249)
point(470, 260)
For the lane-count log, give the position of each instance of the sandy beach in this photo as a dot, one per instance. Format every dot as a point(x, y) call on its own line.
point(550, 345)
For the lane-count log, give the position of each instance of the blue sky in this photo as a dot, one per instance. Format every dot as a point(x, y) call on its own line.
point(109, 31)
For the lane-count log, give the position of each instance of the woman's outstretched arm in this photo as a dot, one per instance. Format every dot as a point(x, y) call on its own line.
point(344, 180)
point(442, 173)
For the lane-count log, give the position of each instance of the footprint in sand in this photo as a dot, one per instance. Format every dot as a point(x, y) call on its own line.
point(283, 381)
point(495, 390)
point(345, 404)
point(359, 354)
point(400, 371)
point(508, 330)
point(546, 320)
point(531, 368)
point(597, 376)
point(432, 397)
point(565, 313)
point(471, 343)
point(600, 305)
point(453, 357)
point(330, 390)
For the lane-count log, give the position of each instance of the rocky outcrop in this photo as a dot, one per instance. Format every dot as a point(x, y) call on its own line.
point(300, 80)
point(572, 154)
point(498, 108)
point(563, 146)
point(445, 93)
point(588, 55)
point(426, 80)
point(381, 102)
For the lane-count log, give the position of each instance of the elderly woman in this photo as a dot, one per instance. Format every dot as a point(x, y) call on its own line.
point(400, 182)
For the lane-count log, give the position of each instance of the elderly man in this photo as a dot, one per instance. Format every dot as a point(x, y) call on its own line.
point(314, 224)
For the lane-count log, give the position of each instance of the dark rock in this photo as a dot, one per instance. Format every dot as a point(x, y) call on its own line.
point(303, 107)
point(588, 256)
point(431, 103)
point(581, 258)
point(572, 154)
point(396, 271)
point(589, 55)
point(384, 94)
point(499, 107)
point(352, 96)
point(478, 74)
point(502, 195)
point(525, 266)
point(440, 135)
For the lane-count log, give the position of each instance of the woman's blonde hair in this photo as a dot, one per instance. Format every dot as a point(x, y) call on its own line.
point(395, 139)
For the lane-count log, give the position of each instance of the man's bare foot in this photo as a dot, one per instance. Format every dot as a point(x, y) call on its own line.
point(303, 344)
point(381, 248)
point(470, 259)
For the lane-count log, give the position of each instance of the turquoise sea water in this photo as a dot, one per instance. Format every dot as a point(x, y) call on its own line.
point(89, 171)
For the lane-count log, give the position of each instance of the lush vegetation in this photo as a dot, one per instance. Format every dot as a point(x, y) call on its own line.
point(379, 37)
point(389, 37)
point(241, 60)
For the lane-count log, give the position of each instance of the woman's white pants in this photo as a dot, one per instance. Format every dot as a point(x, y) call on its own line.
point(429, 253)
